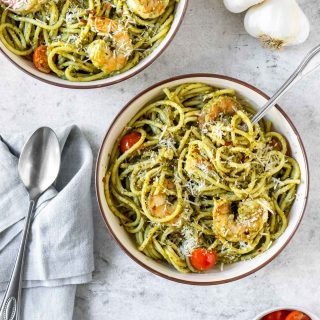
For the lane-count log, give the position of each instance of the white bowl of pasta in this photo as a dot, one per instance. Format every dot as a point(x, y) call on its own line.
point(191, 190)
point(88, 45)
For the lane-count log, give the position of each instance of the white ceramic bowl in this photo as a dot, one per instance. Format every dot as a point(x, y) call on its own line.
point(230, 272)
point(28, 67)
point(305, 311)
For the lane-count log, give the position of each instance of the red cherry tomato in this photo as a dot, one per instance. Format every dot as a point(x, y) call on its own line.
point(297, 315)
point(40, 59)
point(129, 140)
point(202, 259)
point(277, 315)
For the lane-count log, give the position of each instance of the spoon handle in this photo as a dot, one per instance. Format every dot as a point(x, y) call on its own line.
point(10, 307)
point(308, 65)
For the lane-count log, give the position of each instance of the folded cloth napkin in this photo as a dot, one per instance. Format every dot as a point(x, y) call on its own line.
point(60, 248)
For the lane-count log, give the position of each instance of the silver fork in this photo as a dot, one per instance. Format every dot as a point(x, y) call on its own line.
point(309, 64)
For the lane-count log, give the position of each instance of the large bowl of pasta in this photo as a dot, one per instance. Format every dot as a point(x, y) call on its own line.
point(87, 44)
point(195, 192)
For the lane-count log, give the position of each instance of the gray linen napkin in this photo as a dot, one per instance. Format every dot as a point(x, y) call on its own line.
point(60, 250)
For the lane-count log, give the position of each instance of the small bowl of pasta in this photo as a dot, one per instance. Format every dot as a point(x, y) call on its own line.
point(89, 43)
point(192, 190)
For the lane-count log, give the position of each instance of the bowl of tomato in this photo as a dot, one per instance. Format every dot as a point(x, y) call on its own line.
point(291, 313)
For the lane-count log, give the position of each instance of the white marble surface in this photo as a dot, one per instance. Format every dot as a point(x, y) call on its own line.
point(210, 40)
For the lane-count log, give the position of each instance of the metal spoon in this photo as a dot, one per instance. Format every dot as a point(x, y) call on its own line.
point(307, 66)
point(38, 167)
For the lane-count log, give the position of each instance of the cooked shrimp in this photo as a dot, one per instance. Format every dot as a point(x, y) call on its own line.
point(148, 9)
point(196, 161)
point(251, 218)
point(24, 6)
point(221, 105)
point(159, 205)
point(158, 202)
point(100, 52)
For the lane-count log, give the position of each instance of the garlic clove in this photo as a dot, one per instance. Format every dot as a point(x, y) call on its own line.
point(237, 6)
point(277, 23)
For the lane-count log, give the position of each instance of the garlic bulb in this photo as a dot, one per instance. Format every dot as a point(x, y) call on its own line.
point(277, 23)
point(237, 6)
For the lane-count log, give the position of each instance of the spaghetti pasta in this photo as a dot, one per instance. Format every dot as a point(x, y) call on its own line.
point(197, 173)
point(85, 40)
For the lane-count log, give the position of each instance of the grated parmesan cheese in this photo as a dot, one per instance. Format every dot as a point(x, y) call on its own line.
point(190, 241)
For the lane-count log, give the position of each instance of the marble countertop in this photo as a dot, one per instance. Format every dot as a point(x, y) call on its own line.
point(216, 43)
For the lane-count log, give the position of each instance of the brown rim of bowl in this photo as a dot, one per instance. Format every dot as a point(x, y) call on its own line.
point(96, 86)
point(187, 76)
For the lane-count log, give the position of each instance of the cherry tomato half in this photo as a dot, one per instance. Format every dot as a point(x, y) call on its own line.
point(202, 259)
point(277, 315)
point(40, 59)
point(129, 140)
point(297, 315)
